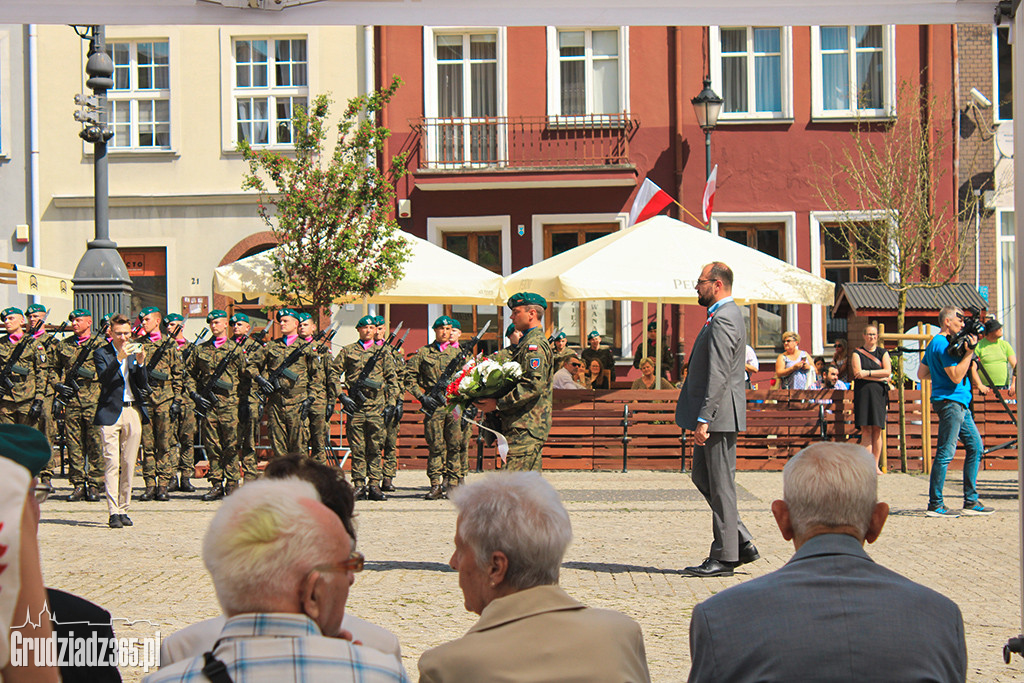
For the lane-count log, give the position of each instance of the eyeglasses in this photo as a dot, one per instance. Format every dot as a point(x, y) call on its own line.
point(701, 282)
point(577, 365)
point(789, 339)
point(353, 564)
point(42, 493)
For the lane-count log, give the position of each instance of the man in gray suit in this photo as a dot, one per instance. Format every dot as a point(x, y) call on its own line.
point(831, 613)
point(713, 404)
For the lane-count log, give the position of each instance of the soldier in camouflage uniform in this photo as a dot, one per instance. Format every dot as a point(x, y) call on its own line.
point(24, 404)
point(560, 350)
point(248, 397)
point(81, 437)
point(389, 464)
point(220, 424)
point(526, 410)
point(316, 425)
point(293, 389)
point(364, 428)
point(182, 457)
point(464, 423)
point(513, 335)
point(163, 404)
point(37, 313)
point(594, 351)
point(442, 430)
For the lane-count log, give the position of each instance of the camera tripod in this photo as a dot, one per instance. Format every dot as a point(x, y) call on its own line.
point(1009, 411)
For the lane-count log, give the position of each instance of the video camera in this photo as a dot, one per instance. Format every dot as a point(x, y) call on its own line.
point(959, 344)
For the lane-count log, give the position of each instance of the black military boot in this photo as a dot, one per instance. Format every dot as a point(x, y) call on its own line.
point(387, 485)
point(148, 494)
point(161, 493)
point(360, 493)
point(229, 487)
point(374, 493)
point(173, 485)
point(186, 486)
point(78, 494)
point(216, 492)
point(92, 494)
point(435, 492)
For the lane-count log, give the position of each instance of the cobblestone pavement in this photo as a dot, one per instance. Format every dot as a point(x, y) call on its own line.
point(633, 534)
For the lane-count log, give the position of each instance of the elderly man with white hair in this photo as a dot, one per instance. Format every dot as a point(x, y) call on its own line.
point(831, 613)
point(510, 537)
point(281, 564)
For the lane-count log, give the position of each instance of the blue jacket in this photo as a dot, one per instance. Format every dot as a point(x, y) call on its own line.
point(108, 374)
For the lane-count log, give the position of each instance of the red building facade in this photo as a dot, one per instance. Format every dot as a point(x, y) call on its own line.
point(524, 142)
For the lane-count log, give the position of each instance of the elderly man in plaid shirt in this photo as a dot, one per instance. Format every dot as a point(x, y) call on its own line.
point(281, 564)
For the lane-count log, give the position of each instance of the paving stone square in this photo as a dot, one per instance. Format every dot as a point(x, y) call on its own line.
point(633, 534)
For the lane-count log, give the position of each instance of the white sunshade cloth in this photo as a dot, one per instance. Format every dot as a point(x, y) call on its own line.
point(432, 275)
point(661, 259)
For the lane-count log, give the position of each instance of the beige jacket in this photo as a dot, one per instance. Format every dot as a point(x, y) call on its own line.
point(541, 635)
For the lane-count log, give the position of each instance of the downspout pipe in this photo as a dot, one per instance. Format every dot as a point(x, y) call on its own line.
point(35, 258)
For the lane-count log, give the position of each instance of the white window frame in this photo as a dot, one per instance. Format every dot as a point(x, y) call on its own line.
point(717, 77)
point(5, 95)
point(134, 96)
point(437, 226)
point(554, 80)
point(228, 36)
point(997, 95)
point(430, 104)
point(1007, 300)
point(888, 109)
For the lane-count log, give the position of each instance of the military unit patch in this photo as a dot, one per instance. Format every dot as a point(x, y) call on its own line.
point(535, 363)
point(532, 347)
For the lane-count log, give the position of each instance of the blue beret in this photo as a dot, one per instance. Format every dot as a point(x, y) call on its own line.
point(147, 310)
point(441, 322)
point(510, 329)
point(560, 335)
point(26, 446)
point(526, 299)
point(455, 323)
point(303, 316)
point(282, 312)
point(216, 313)
point(35, 308)
point(366, 321)
point(80, 313)
point(238, 318)
point(593, 333)
point(174, 318)
point(11, 311)
point(379, 321)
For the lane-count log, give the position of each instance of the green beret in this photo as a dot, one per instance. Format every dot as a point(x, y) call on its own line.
point(26, 446)
point(35, 308)
point(653, 325)
point(238, 318)
point(366, 321)
point(10, 311)
point(455, 323)
point(80, 313)
point(147, 310)
point(174, 318)
point(560, 335)
point(510, 329)
point(303, 316)
point(593, 333)
point(216, 313)
point(526, 299)
point(379, 321)
point(440, 322)
point(282, 312)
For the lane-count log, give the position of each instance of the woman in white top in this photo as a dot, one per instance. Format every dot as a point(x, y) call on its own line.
point(793, 367)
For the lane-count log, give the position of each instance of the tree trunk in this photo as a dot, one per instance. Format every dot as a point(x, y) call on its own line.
point(901, 314)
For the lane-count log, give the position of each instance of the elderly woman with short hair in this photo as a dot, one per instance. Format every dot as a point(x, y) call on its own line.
point(510, 537)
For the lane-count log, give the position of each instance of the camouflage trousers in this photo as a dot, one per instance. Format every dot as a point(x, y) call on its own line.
point(84, 448)
point(157, 442)
point(524, 453)
point(316, 432)
point(12, 413)
point(48, 426)
point(467, 439)
point(183, 449)
point(220, 437)
point(284, 427)
point(443, 432)
point(248, 431)
point(365, 434)
point(390, 459)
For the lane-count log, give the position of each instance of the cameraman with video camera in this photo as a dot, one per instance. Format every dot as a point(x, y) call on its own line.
point(947, 362)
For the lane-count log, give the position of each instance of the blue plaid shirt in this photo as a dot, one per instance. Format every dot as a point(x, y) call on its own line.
point(279, 647)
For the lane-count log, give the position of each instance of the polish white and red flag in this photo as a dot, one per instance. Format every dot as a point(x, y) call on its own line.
point(650, 200)
point(709, 194)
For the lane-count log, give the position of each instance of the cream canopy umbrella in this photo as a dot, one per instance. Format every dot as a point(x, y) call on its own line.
point(431, 275)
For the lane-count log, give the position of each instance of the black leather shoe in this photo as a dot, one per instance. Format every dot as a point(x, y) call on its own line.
point(148, 494)
point(435, 493)
point(360, 493)
point(78, 494)
point(215, 493)
point(387, 485)
point(711, 567)
point(125, 520)
point(186, 486)
point(115, 522)
point(161, 493)
point(92, 494)
point(748, 554)
point(374, 493)
point(173, 485)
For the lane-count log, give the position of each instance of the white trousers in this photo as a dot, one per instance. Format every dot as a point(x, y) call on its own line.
point(120, 451)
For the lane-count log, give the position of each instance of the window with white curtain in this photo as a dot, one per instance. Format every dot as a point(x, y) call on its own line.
point(270, 80)
point(140, 101)
point(853, 71)
point(588, 72)
point(1007, 273)
point(466, 71)
point(753, 68)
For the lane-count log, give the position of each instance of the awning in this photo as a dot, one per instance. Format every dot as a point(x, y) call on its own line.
point(875, 297)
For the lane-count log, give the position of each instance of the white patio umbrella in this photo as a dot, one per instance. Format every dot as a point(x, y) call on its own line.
point(431, 275)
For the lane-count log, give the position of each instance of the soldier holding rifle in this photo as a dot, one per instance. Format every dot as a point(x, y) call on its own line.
point(182, 451)
point(248, 397)
point(163, 403)
point(36, 317)
point(397, 402)
point(23, 371)
point(318, 414)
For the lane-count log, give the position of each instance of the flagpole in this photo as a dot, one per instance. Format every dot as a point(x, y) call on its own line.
point(688, 213)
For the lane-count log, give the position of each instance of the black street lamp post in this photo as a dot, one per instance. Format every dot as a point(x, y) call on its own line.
point(707, 105)
point(101, 281)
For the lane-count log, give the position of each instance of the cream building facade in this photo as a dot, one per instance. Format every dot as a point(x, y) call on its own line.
point(183, 97)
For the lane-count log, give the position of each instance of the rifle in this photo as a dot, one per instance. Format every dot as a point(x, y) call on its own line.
point(69, 388)
point(159, 354)
point(190, 347)
point(205, 398)
point(268, 385)
point(354, 401)
point(554, 333)
point(53, 337)
point(435, 398)
point(6, 383)
point(326, 343)
point(397, 410)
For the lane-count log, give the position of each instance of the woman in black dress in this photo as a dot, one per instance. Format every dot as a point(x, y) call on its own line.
point(871, 372)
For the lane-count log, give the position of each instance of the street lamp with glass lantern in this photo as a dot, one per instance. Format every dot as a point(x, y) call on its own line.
point(707, 105)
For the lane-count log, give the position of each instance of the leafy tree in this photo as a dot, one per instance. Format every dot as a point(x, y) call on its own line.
point(331, 210)
point(892, 169)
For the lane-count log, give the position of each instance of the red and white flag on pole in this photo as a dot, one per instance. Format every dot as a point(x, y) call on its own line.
point(709, 194)
point(650, 200)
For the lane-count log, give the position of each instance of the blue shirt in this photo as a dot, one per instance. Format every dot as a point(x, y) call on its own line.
point(937, 357)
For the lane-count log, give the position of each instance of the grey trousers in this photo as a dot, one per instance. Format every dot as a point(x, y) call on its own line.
point(714, 475)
